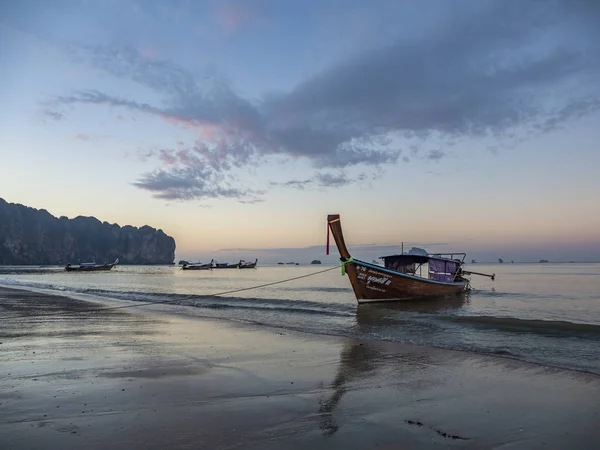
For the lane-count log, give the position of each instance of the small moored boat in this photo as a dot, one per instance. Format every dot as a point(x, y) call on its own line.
point(90, 267)
point(208, 266)
point(248, 265)
point(401, 276)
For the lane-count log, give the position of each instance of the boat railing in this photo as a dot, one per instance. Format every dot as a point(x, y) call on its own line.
point(460, 256)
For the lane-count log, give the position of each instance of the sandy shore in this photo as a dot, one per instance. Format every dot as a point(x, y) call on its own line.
point(144, 379)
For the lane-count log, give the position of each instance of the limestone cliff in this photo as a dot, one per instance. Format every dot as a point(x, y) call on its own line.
point(32, 236)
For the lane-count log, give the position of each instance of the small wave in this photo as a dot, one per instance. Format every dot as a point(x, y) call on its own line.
point(264, 308)
point(316, 289)
point(30, 270)
point(502, 352)
point(515, 324)
point(518, 295)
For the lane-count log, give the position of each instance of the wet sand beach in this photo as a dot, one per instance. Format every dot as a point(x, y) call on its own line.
point(73, 376)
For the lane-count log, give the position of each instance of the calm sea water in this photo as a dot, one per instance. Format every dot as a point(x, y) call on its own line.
point(543, 313)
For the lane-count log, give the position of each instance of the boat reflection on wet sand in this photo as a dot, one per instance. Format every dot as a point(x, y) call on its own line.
point(437, 398)
point(360, 358)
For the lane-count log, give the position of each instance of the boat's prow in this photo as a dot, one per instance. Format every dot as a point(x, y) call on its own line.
point(248, 265)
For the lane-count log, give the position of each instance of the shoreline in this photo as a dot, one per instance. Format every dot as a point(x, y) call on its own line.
point(150, 379)
point(190, 312)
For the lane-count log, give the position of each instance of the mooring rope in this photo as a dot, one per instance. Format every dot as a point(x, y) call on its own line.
point(139, 304)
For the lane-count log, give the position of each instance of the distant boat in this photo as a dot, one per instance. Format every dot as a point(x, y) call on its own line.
point(542, 261)
point(226, 266)
point(473, 261)
point(280, 263)
point(400, 277)
point(500, 260)
point(315, 261)
point(189, 266)
point(248, 265)
point(90, 267)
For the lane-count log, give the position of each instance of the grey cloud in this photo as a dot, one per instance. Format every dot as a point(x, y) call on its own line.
point(494, 68)
point(204, 98)
point(99, 98)
point(476, 75)
point(189, 177)
point(54, 115)
point(190, 184)
point(322, 180)
point(436, 155)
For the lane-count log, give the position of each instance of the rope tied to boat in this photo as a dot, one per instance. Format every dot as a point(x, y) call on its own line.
point(344, 262)
point(164, 302)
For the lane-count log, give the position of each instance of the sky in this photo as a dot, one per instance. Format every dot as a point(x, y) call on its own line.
point(237, 126)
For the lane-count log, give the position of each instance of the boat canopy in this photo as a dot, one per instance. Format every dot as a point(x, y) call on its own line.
point(442, 266)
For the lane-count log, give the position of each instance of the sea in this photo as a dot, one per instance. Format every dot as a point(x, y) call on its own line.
point(547, 314)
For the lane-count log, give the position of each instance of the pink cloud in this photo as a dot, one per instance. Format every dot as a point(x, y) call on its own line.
point(232, 16)
point(180, 144)
point(173, 120)
point(167, 157)
point(82, 137)
point(148, 52)
point(204, 130)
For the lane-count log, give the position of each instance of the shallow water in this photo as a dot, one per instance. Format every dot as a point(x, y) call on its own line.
point(542, 313)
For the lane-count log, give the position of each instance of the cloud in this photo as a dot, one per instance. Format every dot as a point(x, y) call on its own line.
point(480, 73)
point(435, 155)
point(99, 98)
point(486, 69)
point(191, 183)
point(321, 180)
point(50, 114)
point(188, 176)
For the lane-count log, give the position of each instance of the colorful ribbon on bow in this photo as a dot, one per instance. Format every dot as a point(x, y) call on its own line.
point(344, 262)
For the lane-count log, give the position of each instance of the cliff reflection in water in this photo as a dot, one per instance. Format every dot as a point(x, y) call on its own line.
point(363, 359)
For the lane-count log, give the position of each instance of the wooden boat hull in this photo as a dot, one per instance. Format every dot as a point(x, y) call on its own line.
point(198, 266)
point(227, 266)
point(90, 269)
point(377, 284)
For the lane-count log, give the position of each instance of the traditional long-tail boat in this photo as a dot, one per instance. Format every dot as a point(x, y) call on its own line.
point(208, 266)
point(248, 265)
point(401, 277)
point(90, 267)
